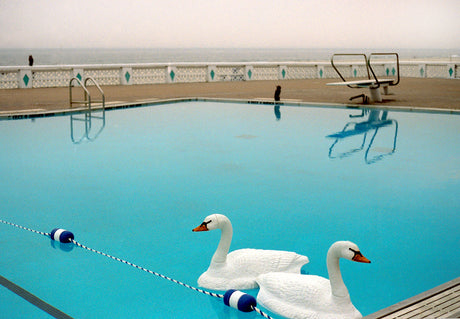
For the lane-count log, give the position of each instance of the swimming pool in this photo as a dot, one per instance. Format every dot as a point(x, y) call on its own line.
point(289, 178)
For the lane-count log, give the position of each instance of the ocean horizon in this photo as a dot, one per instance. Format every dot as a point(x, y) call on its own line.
point(72, 56)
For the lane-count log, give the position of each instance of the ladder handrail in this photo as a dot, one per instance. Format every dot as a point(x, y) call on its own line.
point(87, 113)
point(87, 94)
point(98, 87)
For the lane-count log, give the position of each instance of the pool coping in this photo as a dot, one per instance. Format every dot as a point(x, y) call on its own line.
point(37, 113)
point(424, 302)
point(32, 299)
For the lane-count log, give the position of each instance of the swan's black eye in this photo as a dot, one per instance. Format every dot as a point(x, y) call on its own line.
point(205, 223)
point(356, 252)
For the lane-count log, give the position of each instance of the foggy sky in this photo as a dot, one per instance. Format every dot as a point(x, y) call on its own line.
point(235, 23)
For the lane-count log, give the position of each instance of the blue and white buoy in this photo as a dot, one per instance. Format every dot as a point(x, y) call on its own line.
point(239, 300)
point(61, 235)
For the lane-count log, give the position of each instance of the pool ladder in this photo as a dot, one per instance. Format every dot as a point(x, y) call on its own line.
point(87, 101)
point(86, 112)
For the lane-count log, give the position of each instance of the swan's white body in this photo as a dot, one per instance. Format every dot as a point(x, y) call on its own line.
point(312, 297)
point(239, 269)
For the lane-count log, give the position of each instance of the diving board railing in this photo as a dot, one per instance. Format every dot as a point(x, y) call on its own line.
point(395, 70)
point(373, 83)
point(86, 115)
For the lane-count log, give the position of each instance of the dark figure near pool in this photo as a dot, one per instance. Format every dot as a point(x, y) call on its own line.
point(31, 60)
point(277, 99)
point(277, 93)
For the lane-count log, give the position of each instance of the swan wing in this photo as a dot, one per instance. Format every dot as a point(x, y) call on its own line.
point(260, 261)
point(294, 288)
point(244, 265)
point(302, 296)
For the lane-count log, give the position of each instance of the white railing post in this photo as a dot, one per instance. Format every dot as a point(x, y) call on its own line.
point(126, 75)
point(320, 71)
point(451, 71)
point(390, 69)
point(79, 74)
point(212, 73)
point(248, 72)
point(354, 71)
point(422, 70)
point(171, 74)
point(25, 79)
point(282, 72)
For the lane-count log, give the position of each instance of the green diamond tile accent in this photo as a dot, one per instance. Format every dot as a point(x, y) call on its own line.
point(387, 71)
point(212, 74)
point(451, 71)
point(172, 75)
point(422, 71)
point(79, 76)
point(283, 73)
point(249, 74)
point(393, 71)
point(321, 73)
point(26, 80)
point(355, 72)
point(127, 76)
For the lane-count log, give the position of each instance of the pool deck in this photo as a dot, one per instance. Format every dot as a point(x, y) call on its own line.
point(440, 302)
point(433, 94)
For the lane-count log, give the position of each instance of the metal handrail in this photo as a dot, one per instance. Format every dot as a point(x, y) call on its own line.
point(88, 116)
point(397, 65)
point(87, 95)
point(351, 54)
point(98, 87)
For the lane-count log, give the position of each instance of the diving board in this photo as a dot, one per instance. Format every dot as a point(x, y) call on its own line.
point(372, 83)
point(373, 86)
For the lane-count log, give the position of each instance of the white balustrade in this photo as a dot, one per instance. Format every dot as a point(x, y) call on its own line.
point(12, 77)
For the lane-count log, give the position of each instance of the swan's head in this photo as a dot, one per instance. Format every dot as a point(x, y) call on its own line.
point(215, 221)
point(347, 250)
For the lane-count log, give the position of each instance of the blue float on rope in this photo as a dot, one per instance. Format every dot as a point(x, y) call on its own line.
point(61, 235)
point(239, 300)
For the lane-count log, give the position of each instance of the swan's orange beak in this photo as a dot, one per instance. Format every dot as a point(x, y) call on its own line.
point(361, 259)
point(202, 227)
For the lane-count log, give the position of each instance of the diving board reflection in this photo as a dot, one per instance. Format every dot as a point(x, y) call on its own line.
point(376, 127)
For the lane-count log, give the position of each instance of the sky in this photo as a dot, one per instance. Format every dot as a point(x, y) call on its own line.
point(230, 24)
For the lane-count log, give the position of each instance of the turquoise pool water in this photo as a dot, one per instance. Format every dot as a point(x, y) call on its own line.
point(299, 183)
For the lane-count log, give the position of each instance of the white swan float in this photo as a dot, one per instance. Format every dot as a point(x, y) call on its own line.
point(239, 269)
point(308, 296)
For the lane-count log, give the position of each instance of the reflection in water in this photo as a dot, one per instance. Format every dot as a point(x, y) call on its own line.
point(66, 247)
point(277, 112)
point(86, 125)
point(375, 122)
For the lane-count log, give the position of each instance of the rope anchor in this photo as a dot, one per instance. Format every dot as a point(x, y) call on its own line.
point(232, 298)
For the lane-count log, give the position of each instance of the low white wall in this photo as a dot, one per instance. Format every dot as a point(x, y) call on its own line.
point(12, 77)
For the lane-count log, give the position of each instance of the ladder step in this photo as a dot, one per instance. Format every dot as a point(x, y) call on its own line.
point(79, 102)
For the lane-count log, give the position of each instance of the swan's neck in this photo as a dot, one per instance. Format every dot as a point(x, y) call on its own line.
point(220, 256)
point(335, 277)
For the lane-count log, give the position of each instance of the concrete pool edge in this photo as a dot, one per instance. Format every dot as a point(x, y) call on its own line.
point(34, 300)
point(436, 299)
point(37, 113)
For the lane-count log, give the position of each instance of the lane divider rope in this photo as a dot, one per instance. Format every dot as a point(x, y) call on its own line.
point(232, 298)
